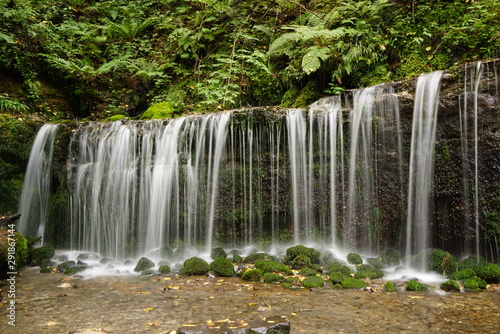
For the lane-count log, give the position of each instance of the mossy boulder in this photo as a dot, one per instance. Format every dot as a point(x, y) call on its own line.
point(293, 252)
point(450, 285)
point(354, 258)
point(252, 275)
point(147, 272)
point(115, 118)
point(338, 267)
point(442, 262)
point(471, 285)
point(312, 282)
point(372, 274)
point(470, 262)
point(390, 257)
point(222, 267)
point(252, 258)
point(217, 252)
point(462, 274)
point(301, 261)
point(62, 267)
point(164, 269)
point(489, 272)
point(375, 263)
point(272, 278)
point(273, 267)
point(195, 266)
point(162, 110)
point(306, 271)
point(143, 264)
point(337, 277)
point(353, 283)
point(389, 287)
point(45, 252)
point(413, 285)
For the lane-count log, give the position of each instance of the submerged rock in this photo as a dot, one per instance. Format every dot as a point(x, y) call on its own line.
point(270, 325)
point(144, 264)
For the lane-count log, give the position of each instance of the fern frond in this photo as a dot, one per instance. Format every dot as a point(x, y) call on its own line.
point(311, 61)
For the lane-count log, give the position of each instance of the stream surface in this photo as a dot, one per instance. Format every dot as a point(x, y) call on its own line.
point(56, 303)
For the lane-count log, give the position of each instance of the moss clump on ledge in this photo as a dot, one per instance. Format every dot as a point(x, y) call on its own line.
point(354, 258)
point(162, 110)
point(272, 278)
point(195, 266)
point(416, 286)
point(222, 267)
point(450, 286)
point(273, 266)
point(252, 275)
point(353, 283)
point(389, 287)
point(312, 282)
point(293, 252)
point(164, 269)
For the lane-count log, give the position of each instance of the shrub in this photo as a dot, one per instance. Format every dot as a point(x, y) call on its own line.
point(272, 266)
point(272, 278)
point(488, 271)
point(217, 252)
point(390, 257)
point(164, 269)
point(441, 261)
point(354, 258)
point(338, 267)
point(462, 274)
point(353, 283)
point(450, 286)
point(195, 266)
point(143, 264)
point(293, 252)
point(306, 271)
point(301, 261)
point(312, 282)
point(416, 286)
point(252, 275)
point(39, 254)
point(389, 287)
point(222, 267)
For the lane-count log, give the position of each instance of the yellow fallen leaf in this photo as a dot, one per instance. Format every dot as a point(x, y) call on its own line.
point(142, 292)
point(149, 309)
point(188, 325)
point(50, 323)
point(252, 304)
point(210, 323)
point(154, 323)
point(416, 297)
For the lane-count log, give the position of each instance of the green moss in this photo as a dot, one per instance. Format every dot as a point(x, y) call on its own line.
point(301, 261)
point(312, 282)
point(147, 272)
point(237, 258)
point(462, 274)
point(164, 269)
point(389, 287)
point(338, 267)
point(337, 277)
point(375, 263)
point(251, 258)
point(354, 258)
point(160, 110)
point(195, 266)
point(416, 286)
point(450, 285)
point(375, 273)
point(272, 278)
point(489, 272)
point(273, 266)
point(71, 271)
point(252, 275)
point(471, 285)
point(470, 262)
point(116, 118)
point(143, 264)
point(442, 262)
point(222, 267)
point(66, 265)
point(353, 283)
point(390, 257)
point(45, 270)
point(41, 253)
point(293, 252)
point(306, 271)
point(217, 252)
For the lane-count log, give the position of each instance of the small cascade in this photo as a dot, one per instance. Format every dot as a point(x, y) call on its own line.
point(34, 203)
point(422, 164)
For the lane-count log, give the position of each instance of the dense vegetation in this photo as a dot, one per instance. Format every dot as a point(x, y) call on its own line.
point(95, 59)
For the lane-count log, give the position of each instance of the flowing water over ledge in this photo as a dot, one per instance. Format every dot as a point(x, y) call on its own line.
point(135, 304)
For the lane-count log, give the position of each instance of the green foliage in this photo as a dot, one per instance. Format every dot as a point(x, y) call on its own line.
point(217, 252)
point(450, 286)
point(375, 273)
point(462, 274)
point(416, 286)
point(222, 267)
point(252, 275)
point(39, 254)
point(164, 269)
point(353, 283)
point(252, 258)
point(338, 267)
point(390, 257)
point(354, 258)
point(337, 277)
point(312, 282)
point(389, 287)
point(301, 261)
point(272, 278)
point(115, 118)
point(272, 266)
point(470, 262)
point(306, 271)
point(195, 267)
point(471, 285)
point(143, 264)
point(489, 272)
point(293, 252)
point(441, 261)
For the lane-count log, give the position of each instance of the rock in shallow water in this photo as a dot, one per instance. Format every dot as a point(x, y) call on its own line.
point(271, 325)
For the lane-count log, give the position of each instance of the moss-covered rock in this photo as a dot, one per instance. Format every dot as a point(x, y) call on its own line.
point(272, 278)
point(222, 267)
point(389, 287)
point(195, 266)
point(162, 110)
point(442, 262)
point(338, 267)
point(273, 266)
point(164, 269)
point(237, 258)
point(390, 257)
point(251, 258)
point(353, 283)
point(252, 275)
point(462, 274)
point(71, 271)
point(450, 285)
point(293, 252)
point(147, 272)
point(217, 252)
point(301, 261)
point(115, 118)
point(372, 274)
point(62, 267)
point(306, 271)
point(46, 252)
point(470, 262)
point(471, 285)
point(312, 282)
point(354, 258)
point(143, 264)
point(337, 277)
point(375, 263)
point(416, 286)
point(489, 272)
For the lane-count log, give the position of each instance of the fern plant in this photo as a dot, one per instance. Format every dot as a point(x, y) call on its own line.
point(11, 105)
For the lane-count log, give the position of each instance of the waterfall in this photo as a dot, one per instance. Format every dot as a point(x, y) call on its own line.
point(422, 163)
point(34, 204)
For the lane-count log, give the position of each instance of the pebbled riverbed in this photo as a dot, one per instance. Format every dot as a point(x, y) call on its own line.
point(55, 303)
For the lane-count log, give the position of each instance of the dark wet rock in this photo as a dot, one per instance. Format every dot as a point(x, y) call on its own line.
point(144, 264)
point(87, 256)
point(271, 325)
point(217, 252)
point(39, 254)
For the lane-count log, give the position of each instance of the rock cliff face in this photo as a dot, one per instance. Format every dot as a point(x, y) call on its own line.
point(265, 196)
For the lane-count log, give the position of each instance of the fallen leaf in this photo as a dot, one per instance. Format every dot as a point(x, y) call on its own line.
point(154, 323)
point(149, 309)
point(50, 323)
